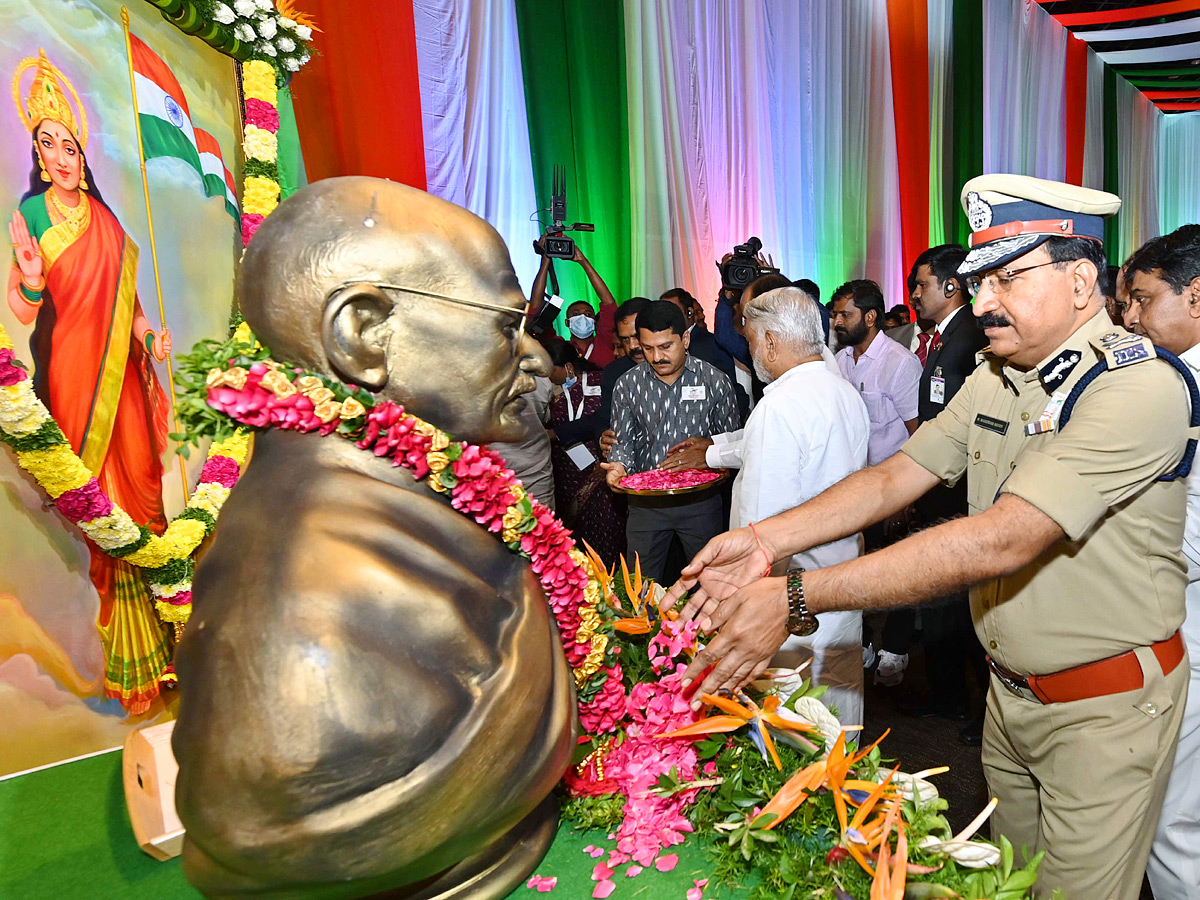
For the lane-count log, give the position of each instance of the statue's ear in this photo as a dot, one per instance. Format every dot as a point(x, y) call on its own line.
point(355, 335)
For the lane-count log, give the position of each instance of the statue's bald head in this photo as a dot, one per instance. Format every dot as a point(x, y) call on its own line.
point(310, 287)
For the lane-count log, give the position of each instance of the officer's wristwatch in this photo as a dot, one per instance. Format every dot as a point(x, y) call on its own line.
point(800, 621)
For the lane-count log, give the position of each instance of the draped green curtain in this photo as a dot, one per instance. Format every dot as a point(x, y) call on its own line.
point(291, 163)
point(573, 64)
point(966, 112)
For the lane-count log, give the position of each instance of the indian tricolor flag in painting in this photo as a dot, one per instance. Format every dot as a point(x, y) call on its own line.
point(166, 124)
point(218, 180)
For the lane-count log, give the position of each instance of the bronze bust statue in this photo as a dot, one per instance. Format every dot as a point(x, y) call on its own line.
point(374, 699)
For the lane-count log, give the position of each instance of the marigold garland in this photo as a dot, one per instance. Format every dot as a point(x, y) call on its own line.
point(43, 451)
point(261, 192)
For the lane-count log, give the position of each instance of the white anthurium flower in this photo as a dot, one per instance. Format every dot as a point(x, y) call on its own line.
point(814, 712)
point(963, 850)
point(971, 854)
point(267, 27)
point(915, 787)
point(223, 14)
point(244, 8)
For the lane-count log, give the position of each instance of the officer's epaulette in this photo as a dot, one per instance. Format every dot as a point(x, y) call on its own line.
point(1120, 348)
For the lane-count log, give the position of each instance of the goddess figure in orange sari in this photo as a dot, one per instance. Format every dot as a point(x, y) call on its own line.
point(74, 276)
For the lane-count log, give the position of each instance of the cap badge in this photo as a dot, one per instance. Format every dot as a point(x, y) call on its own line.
point(979, 212)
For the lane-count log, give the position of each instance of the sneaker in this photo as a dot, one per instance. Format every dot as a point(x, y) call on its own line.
point(891, 668)
point(869, 656)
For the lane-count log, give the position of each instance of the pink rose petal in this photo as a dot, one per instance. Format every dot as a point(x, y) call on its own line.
point(596, 853)
point(603, 889)
point(700, 882)
point(694, 893)
point(667, 863)
point(589, 848)
point(547, 885)
point(633, 871)
point(601, 872)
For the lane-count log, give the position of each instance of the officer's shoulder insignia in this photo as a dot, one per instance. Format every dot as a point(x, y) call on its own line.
point(1120, 348)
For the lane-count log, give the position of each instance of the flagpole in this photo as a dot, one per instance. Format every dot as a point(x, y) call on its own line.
point(162, 316)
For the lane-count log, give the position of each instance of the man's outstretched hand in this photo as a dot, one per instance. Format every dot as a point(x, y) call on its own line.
point(728, 562)
point(751, 626)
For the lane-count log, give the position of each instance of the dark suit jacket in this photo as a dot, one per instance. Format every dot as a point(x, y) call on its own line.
point(589, 427)
point(704, 346)
point(955, 358)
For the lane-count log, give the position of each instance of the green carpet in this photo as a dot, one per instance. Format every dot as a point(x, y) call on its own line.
point(65, 835)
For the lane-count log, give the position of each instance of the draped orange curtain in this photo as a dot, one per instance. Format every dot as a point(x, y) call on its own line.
point(908, 36)
point(358, 101)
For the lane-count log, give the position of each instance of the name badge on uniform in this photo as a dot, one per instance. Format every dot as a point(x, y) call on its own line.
point(990, 424)
point(937, 387)
point(694, 392)
point(591, 390)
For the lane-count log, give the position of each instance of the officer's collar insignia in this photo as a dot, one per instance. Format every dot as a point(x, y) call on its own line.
point(979, 212)
point(1059, 369)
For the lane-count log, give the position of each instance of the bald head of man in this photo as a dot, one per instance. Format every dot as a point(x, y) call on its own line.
point(397, 291)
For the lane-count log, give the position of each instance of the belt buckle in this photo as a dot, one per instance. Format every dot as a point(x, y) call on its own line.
point(1016, 688)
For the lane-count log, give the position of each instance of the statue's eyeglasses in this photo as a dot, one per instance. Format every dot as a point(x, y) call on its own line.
point(518, 311)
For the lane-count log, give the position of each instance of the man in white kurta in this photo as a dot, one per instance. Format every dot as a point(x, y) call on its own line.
point(1162, 280)
point(809, 431)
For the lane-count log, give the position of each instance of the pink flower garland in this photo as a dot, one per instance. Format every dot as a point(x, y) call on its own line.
point(484, 489)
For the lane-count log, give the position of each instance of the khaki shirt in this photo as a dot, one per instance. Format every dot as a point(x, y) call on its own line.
point(1117, 581)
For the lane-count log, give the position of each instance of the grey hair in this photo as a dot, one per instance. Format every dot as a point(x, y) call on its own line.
point(791, 315)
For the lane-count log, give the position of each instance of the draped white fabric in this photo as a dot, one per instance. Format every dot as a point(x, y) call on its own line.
point(1024, 55)
point(1138, 121)
point(765, 117)
point(474, 119)
point(1178, 172)
point(1093, 144)
point(941, 33)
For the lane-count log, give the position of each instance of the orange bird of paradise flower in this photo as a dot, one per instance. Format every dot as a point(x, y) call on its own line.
point(830, 772)
point(737, 715)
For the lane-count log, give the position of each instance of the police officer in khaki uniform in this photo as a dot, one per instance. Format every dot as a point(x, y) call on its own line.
point(1072, 547)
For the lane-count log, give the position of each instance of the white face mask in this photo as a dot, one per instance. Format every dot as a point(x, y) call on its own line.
point(582, 327)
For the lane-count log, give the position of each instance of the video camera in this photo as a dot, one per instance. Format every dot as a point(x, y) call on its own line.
point(743, 267)
point(556, 244)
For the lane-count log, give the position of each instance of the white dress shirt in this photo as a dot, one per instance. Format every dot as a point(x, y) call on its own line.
point(1174, 864)
point(809, 431)
point(888, 377)
point(726, 449)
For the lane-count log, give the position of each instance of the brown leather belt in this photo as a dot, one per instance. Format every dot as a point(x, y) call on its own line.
point(1114, 675)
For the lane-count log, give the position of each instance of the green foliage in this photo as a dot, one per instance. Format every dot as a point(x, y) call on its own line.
point(46, 436)
point(585, 813)
point(200, 515)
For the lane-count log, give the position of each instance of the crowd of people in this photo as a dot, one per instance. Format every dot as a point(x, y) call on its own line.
point(914, 464)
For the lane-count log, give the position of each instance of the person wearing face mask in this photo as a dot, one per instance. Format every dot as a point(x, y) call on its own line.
point(582, 500)
point(591, 329)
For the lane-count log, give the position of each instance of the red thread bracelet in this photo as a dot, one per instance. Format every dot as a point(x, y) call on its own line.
point(763, 549)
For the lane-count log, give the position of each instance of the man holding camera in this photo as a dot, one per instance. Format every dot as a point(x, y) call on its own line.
point(591, 329)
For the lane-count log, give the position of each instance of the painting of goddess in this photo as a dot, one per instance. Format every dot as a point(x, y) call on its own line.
point(73, 277)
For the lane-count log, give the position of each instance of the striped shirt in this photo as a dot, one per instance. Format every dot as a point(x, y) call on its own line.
point(650, 416)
